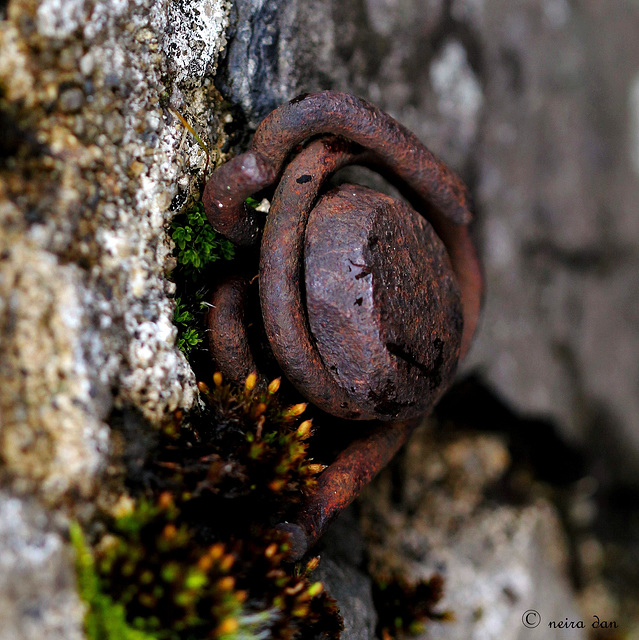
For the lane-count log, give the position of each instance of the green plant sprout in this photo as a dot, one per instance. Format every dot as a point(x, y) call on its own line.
point(104, 618)
point(197, 244)
point(188, 336)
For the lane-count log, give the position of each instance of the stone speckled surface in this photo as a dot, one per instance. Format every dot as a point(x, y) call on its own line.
point(90, 161)
point(38, 598)
point(85, 308)
point(433, 514)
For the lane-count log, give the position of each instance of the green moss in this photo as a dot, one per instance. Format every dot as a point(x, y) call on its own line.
point(148, 582)
point(151, 578)
point(197, 245)
point(196, 556)
point(175, 588)
point(188, 334)
point(104, 619)
point(268, 440)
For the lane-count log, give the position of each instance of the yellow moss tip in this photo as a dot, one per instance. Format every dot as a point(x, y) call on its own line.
point(228, 625)
point(125, 506)
point(203, 387)
point(276, 485)
point(316, 468)
point(216, 551)
point(241, 596)
point(298, 409)
point(315, 589)
point(217, 379)
point(271, 550)
point(313, 563)
point(296, 588)
point(227, 562)
point(274, 386)
point(170, 531)
point(227, 583)
point(304, 430)
point(165, 501)
point(205, 563)
point(251, 379)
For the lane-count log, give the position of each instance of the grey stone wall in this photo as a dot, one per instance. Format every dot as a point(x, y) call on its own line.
point(535, 103)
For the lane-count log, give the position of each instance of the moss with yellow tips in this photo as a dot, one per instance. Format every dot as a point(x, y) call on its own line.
point(194, 556)
point(151, 579)
point(268, 442)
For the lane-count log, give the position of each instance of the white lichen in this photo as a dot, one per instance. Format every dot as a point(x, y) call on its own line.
point(193, 36)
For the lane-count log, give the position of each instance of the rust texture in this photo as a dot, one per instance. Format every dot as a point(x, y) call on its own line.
point(230, 348)
point(376, 276)
point(281, 273)
point(368, 304)
point(391, 148)
point(341, 482)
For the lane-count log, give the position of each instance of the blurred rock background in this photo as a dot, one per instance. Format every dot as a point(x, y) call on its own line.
point(534, 102)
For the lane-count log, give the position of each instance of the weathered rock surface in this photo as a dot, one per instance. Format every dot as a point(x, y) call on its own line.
point(537, 105)
point(557, 190)
point(88, 176)
point(90, 160)
point(38, 597)
point(431, 516)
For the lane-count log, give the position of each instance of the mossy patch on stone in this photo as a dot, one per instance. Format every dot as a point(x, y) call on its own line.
point(195, 554)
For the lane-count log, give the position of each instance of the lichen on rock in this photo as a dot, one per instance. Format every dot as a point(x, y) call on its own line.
point(89, 172)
